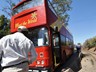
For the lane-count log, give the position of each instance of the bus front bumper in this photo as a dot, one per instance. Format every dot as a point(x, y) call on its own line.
point(39, 70)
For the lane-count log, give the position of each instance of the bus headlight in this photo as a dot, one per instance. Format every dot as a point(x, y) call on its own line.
point(38, 62)
point(29, 70)
point(35, 71)
point(45, 71)
point(42, 62)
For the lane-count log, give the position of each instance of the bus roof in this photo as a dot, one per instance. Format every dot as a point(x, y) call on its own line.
point(20, 3)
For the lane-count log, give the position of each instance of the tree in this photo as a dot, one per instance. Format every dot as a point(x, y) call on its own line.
point(61, 7)
point(7, 9)
point(90, 43)
point(5, 20)
point(4, 25)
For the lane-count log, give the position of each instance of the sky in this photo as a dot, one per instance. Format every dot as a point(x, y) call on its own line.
point(3, 4)
point(82, 21)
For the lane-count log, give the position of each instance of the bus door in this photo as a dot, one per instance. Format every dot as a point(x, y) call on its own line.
point(56, 49)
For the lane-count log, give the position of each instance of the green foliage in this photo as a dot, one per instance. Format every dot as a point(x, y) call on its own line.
point(4, 21)
point(4, 26)
point(89, 43)
point(62, 7)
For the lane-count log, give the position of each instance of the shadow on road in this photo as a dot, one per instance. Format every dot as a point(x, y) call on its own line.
point(73, 62)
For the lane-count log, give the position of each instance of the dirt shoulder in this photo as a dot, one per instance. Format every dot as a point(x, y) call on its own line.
point(85, 61)
point(88, 61)
point(71, 65)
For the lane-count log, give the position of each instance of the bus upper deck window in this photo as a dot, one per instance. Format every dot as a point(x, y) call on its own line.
point(27, 5)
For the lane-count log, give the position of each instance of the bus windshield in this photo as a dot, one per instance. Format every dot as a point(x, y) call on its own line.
point(27, 5)
point(39, 36)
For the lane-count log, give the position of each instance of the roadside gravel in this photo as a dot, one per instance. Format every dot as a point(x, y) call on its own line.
point(88, 62)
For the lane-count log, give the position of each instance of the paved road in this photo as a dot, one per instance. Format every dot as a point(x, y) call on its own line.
point(73, 63)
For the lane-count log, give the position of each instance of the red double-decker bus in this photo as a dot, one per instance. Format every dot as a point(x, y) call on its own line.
point(53, 42)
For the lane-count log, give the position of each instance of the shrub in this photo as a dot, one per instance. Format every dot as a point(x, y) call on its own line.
point(89, 43)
